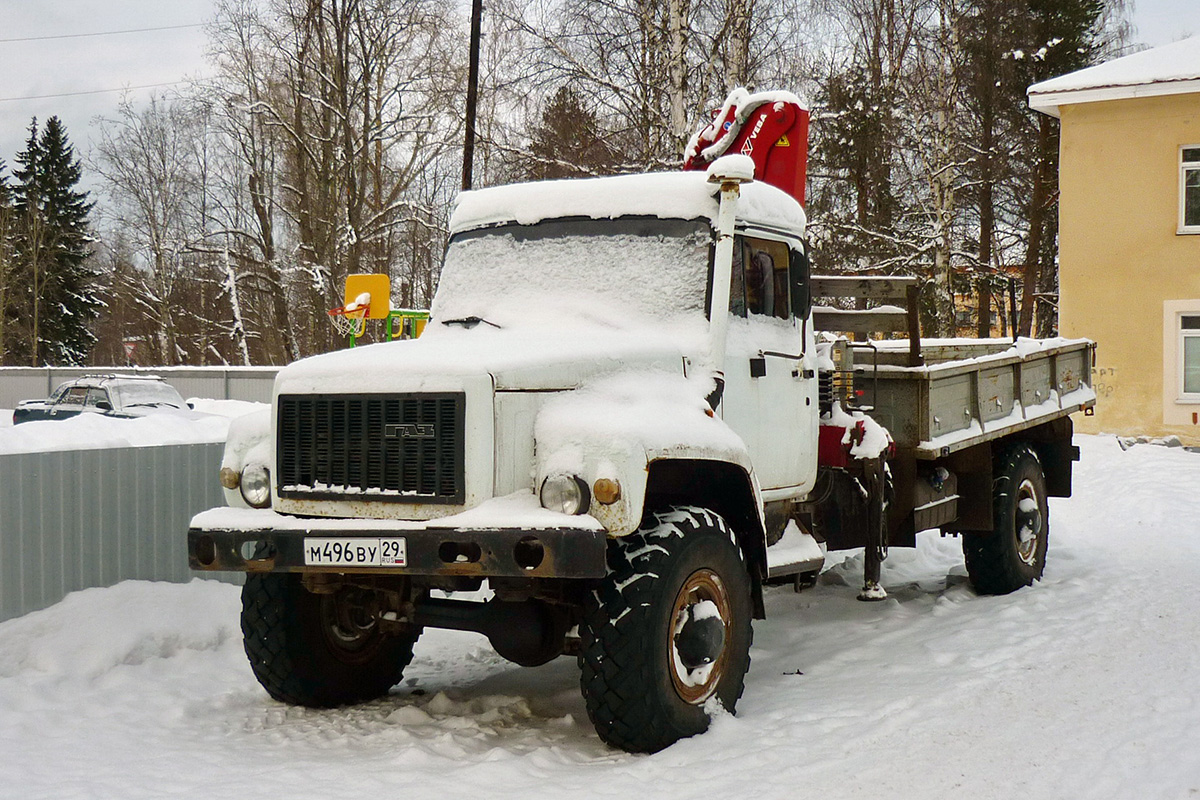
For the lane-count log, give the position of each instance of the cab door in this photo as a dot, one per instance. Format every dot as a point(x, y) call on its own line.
point(770, 395)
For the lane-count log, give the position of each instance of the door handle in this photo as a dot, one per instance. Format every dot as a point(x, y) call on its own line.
point(797, 372)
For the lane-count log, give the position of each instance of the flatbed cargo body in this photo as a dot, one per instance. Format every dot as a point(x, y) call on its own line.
point(972, 391)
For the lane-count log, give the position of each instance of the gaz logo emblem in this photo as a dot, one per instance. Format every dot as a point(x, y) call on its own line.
point(408, 431)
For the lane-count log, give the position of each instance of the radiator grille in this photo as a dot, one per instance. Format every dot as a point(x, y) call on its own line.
point(397, 447)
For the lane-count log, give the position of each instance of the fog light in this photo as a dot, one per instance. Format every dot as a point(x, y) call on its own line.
point(230, 478)
point(256, 486)
point(565, 494)
point(606, 491)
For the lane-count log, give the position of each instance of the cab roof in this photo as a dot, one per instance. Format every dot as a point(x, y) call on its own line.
point(666, 195)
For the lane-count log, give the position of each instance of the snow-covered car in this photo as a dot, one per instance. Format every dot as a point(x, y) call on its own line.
point(112, 395)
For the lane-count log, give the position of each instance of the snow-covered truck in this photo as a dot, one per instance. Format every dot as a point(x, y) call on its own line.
point(621, 423)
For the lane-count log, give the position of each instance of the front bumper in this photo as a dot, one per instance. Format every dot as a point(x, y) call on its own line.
point(251, 541)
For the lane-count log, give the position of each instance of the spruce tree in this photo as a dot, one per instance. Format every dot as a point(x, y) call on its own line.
point(569, 142)
point(1061, 36)
point(53, 246)
point(7, 262)
point(1009, 45)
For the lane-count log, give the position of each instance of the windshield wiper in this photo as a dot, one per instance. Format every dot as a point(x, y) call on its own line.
point(469, 322)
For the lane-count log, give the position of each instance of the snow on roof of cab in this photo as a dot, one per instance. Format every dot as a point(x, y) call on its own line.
point(1169, 69)
point(666, 195)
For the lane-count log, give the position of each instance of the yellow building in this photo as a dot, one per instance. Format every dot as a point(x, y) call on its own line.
point(1129, 234)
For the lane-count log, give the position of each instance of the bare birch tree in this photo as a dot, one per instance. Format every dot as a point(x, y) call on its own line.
point(143, 158)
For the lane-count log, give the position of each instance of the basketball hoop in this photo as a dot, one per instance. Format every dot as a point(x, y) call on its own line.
point(366, 297)
point(349, 320)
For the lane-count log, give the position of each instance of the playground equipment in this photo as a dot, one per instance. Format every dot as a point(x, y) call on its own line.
point(370, 297)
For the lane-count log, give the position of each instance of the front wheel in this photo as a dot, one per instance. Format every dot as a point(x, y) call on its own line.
point(1013, 555)
point(668, 630)
point(318, 650)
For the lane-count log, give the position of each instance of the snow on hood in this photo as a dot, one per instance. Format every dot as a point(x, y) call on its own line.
point(648, 411)
point(515, 358)
point(666, 195)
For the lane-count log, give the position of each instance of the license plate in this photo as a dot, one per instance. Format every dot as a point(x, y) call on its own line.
point(355, 552)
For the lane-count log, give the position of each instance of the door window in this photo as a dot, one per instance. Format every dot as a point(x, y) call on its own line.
point(75, 396)
point(97, 396)
point(760, 278)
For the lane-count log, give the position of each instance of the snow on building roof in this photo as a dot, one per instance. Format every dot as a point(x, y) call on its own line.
point(667, 195)
point(1170, 69)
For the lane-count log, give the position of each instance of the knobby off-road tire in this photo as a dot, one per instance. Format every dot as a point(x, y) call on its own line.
point(315, 650)
point(668, 629)
point(1013, 555)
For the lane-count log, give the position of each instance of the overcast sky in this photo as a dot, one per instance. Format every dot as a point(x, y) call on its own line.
point(32, 69)
point(29, 70)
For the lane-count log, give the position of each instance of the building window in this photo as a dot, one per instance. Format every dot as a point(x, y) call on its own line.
point(1189, 189)
point(1189, 356)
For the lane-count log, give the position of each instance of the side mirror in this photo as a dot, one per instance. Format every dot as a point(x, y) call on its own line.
point(104, 405)
point(798, 277)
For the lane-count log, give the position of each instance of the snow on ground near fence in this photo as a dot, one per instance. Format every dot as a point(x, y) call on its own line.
point(88, 431)
point(1079, 687)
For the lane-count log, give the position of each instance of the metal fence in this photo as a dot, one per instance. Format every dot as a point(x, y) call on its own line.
point(217, 383)
point(81, 518)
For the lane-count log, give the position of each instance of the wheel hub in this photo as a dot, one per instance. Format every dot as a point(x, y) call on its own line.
point(702, 636)
point(1029, 522)
point(349, 622)
point(700, 620)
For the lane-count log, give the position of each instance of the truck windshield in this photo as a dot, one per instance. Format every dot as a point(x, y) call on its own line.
point(613, 271)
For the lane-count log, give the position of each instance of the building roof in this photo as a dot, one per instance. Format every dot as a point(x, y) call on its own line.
point(1169, 69)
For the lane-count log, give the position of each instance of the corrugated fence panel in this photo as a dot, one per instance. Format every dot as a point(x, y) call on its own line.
point(82, 518)
point(217, 383)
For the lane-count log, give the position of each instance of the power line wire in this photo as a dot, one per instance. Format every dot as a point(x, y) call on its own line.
point(100, 33)
point(93, 91)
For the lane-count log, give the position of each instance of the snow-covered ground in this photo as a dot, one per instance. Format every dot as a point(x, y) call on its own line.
point(1083, 686)
point(207, 422)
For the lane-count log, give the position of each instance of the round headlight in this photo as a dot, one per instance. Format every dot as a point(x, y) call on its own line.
point(565, 494)
point(256, 486)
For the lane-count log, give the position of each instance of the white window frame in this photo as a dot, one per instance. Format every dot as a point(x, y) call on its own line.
point(1182, 334)
point(1184, 168)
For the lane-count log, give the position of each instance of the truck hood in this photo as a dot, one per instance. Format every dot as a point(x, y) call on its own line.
point(445, 356)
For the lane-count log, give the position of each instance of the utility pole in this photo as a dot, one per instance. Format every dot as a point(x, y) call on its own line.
point(472, 94)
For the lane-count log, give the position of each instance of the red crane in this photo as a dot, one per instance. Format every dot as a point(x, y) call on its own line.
point(770, 127)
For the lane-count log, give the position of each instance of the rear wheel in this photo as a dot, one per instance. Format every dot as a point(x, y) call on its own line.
point(318, 650)
point(1013, 555)
point(667, 631)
